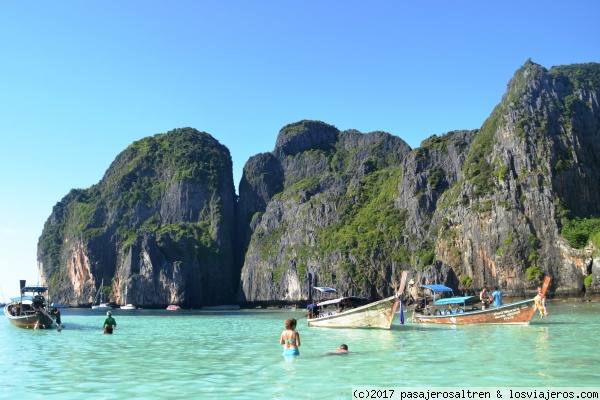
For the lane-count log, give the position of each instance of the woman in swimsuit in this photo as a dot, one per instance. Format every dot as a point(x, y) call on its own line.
point(290, 339)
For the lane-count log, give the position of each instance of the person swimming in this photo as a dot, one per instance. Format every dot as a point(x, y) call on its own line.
point(290, 339)
point(342, 350)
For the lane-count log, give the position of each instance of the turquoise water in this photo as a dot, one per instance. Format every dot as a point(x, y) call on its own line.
point(156, 354)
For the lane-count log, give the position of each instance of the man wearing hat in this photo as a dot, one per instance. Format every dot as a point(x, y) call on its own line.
point(109, 323)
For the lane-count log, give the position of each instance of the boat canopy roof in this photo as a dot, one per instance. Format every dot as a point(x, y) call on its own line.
point(452, 300)
point(324, 289)
point(438, 288)
point(34, 289)
point(352, 300)
point(24, 299)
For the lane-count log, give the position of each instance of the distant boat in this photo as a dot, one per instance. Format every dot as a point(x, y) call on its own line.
point(98, 303)
point(59, 304)
point(30, 310)
point(128, 306)
point(173, 307)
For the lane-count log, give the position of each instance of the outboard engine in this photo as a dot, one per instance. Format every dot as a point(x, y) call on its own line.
point(38, 301)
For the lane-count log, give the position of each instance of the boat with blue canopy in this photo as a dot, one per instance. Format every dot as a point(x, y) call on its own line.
point(452, 310)
point(438, 291)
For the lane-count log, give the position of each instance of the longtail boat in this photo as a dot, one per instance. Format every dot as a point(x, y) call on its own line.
point(352, 312)
point(30, 310)
point(518, 313)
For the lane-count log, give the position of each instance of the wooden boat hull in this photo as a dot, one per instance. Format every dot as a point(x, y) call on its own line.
point(30, 321)
point(519, 313)
point(379, 314)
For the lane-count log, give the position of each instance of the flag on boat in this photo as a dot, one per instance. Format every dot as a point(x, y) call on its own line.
point(401, 312)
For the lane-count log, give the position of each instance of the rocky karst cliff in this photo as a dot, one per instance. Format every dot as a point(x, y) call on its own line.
point(160, 223)
point(501, 205)
point(469, 208)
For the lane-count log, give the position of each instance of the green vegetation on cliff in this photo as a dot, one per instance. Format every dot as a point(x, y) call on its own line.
point(581, 76)
point(369, 230)
point(580, 231)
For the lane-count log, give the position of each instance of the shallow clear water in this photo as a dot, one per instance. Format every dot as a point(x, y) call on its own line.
point(156, 354)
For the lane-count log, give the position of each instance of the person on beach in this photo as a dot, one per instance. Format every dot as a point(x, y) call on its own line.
point(484, 296)
point(342, 350)
point(109, 323)
point(290, 339)
point(497, 295)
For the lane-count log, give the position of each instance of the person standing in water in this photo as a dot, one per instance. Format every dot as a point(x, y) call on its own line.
point(290, 339)
point(109, 323)
point(56, 315)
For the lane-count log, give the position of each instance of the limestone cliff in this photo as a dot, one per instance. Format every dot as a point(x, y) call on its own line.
point(533, 165)
point(469, 208)
point(160, 223)
point(501, 205)
point(317, 188)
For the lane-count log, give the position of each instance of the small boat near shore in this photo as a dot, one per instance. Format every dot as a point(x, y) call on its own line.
point(518, 313)
point(30, 310)
point(378, 314)
point(354, 311)
point(173, 307)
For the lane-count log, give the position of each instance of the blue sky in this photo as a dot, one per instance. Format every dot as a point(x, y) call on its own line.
point(81, 80)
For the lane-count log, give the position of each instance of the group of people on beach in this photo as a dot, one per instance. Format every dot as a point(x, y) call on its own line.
point(290, 339)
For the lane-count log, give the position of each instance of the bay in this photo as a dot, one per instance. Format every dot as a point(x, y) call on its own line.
point(159, 354)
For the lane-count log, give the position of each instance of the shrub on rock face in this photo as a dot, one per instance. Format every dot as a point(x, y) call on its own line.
point(588, 280)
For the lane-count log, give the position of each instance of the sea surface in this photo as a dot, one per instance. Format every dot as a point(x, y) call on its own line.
point(198, 354)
